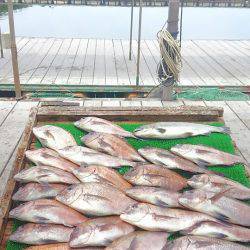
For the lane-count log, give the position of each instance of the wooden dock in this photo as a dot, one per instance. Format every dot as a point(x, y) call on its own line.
point(14, 115)
point(99, 62)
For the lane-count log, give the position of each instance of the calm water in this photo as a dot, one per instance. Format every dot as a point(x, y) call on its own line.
point(113, 22)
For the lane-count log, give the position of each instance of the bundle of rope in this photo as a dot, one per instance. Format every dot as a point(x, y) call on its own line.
point(171, 63)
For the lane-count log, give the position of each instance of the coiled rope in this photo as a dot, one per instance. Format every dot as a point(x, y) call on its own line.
point(170, 62)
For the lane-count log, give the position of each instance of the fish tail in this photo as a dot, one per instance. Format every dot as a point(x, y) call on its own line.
point(225, 130)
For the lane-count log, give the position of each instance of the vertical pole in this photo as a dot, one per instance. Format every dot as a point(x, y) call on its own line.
point(139, 46)
point(131, 30)
point(173, 17)
point(1, 44)
point(14, 51)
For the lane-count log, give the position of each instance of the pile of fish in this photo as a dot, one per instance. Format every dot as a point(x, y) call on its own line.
point(75, 199)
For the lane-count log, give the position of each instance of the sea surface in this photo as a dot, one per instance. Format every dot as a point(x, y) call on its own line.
point(114, 22)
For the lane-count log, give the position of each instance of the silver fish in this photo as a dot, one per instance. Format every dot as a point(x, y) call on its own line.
point(47, 211)
point(40, 234)
point(61, 246)
point(202, 243)
point(112, 145)
point(45, 174)
point(95, 124)
point(86, 156)
point(140, 240)
point(154, 218)
point(206, 156)
point(95, 173)
point(98, 199)
point(173, 130)
point(167, 159)
point(220, 230)
point(217, 205)
point(35, 191)
point(156, 176)
point(54, 137)
point(99, 232)
point(48, 157)
point(155, 195)
point(216, 184)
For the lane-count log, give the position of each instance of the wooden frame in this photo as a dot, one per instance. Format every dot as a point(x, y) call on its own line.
point(45, 114)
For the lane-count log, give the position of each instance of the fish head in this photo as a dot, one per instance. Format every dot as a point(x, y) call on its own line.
point(82, 122)
point(182, 149)
point(194, 198)
point(23, 208)
point(70, 194)
point(133, 174)
point(135, 212)
point(143, 131)
point(81, 235)
point(90, 137)
point(199, 181)
point(87, 174)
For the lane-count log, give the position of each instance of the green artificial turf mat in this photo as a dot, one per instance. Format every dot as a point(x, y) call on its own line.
point(217, 140)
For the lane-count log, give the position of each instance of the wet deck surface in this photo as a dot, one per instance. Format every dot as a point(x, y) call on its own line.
point(105, 62)
point(14, 115)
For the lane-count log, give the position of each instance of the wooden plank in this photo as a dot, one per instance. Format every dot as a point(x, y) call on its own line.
point(36, 61)
point(220, 57)
point(230, 117)
point(111, 103)
point(175, 103)
point(68, 61)
point(182, 113)
point(145, 74)
point(130, 103)
point(89, 65)
point(131, 64)
point(110, 63)
point(197, 65)
point(194, 103)
point(92, 103)
point(5, 108)
point(218, 72)
point(5, 201)
point(38, 75)
point(11, 130)
point(6, 70)
point(151, 103)
point(78, 65)
point(56, 65)
point(99, 76)
point(242, 110)
point(123, 76)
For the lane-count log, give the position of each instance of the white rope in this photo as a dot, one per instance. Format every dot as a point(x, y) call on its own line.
point(171, 62)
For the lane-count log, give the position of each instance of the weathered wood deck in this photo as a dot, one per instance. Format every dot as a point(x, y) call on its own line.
point(13, 117)
point(105, 62)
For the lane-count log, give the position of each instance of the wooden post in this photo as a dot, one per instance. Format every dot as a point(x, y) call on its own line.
point(131, 30)
point(173, 17)
point(1, 44)
point(139, 46)
point(14, 51)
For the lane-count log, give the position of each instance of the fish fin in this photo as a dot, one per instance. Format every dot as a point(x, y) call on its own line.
point(46, 156)
point(41, 219)
point(49, 241)
point(161, 130)
point(218, 235)
point(201, 163)
point(105, 227)
point(48, 133)
point(133, 245)
point(225, 130)
point(220, 194)
point(161, 217)
point(161, 203)
point(222, 217)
